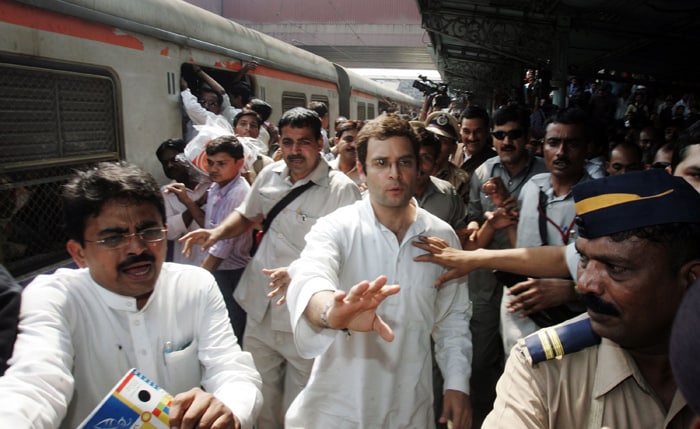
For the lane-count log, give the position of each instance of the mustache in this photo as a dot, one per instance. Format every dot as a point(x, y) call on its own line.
point(598, 305)
point(295, 157)
point(144, 257)
point(507, 147)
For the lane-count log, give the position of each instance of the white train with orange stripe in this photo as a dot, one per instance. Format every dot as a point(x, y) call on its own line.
point(91, 80)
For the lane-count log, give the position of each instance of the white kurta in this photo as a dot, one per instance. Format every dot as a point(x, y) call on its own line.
point(77, 339)
point(176, 226)
point(362, 381)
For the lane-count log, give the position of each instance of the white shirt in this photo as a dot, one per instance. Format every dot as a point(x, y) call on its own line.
point(77, 339)
point(198, 114)
point(176, 226)
point(361, 381)
point(284, 240)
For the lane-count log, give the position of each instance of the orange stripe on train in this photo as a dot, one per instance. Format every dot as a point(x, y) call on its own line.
point(27, 16)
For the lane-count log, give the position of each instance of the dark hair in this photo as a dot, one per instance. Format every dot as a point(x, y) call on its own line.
point(177, 145)
point(381, 128)
point(689, 137)
point(475, 112)
point(571, 116)
point(428, 139)
point(263, 108)
point(85, 194)
point(205, 89)
point(241, 88)
point(300, 117)
point(247, 112)
point(682, 240)
point(319, 107)
point(635, 148)
point(346, 125)
point(226, 144)
point(512, 113)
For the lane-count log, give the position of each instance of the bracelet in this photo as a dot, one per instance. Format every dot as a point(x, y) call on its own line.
point(324, 314)
point(324, 318)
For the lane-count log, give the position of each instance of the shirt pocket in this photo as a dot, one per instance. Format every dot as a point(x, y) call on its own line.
point(183, 368)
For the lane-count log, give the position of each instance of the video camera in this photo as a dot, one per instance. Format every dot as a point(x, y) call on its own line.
point(436, 91)
point(428, 87)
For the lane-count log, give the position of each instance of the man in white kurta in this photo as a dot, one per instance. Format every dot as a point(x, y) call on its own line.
point(361, 380)
point(70, 323)
point(81, 330)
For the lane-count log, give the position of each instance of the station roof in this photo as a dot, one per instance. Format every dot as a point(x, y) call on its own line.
point(484, 43)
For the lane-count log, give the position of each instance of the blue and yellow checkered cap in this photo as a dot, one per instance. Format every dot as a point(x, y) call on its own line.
point(634, 200)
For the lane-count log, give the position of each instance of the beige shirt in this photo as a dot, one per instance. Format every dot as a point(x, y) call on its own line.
point(599, 386)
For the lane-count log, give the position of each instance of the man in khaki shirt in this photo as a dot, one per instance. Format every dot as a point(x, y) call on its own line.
point(638, 250)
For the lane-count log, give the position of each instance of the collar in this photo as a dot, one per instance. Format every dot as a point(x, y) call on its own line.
point(615, 366)
point(417, 227)
point(120, 302)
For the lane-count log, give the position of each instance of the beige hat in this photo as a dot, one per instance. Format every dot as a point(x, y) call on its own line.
point(443, 124)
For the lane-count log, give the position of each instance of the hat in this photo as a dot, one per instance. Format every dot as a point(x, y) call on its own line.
point(634, 200)
point(685, 347)
point(443, 124)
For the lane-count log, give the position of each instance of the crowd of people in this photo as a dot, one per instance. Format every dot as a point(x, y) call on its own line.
point(503, 269)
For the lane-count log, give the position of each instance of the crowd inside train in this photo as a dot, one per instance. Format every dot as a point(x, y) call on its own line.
point(463, 268)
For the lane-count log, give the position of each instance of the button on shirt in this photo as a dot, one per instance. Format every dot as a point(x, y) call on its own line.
point(77, 340)
point(221, 201)
point(284, 240)
point(362, 381)
point(599, 386)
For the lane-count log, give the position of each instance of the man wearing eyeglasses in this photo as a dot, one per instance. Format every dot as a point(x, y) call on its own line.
point(268, 331)
point(514, 166)
point(82, 329)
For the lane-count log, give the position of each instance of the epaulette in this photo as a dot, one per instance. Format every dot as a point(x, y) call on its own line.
point(556, 341)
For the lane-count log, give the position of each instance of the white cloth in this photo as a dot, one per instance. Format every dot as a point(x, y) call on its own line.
point(284, 240)
point(198, 114)
point(176, 226)
point(362, 381)
point(560, 209)
point(78, 339)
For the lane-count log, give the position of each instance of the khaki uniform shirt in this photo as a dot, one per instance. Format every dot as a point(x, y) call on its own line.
point(599, 386)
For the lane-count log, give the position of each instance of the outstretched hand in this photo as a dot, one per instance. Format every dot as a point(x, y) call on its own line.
point(279, 281)
point(202, 237)
point(356, 310)
point(456, 261)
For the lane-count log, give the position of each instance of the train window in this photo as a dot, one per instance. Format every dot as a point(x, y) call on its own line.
point(370, 111)
point(321, 98)
point(361, 111)
point(261, 93)
point(56, 118)
point(293, 99)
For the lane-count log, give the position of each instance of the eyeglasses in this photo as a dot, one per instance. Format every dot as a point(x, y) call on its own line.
point(117, 241)
point(512, 134)
point(205, 103)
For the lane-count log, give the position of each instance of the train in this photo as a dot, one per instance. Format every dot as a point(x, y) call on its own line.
point(84, 81)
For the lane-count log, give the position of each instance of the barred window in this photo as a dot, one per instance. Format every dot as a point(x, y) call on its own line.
point(292, 99)
point(53, 119)
point(361, 111)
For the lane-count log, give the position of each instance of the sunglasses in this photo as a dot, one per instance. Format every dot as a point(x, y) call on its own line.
point(512, 134)
point(660, 164)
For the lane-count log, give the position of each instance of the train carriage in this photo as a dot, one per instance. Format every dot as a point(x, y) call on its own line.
point(86, 81)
